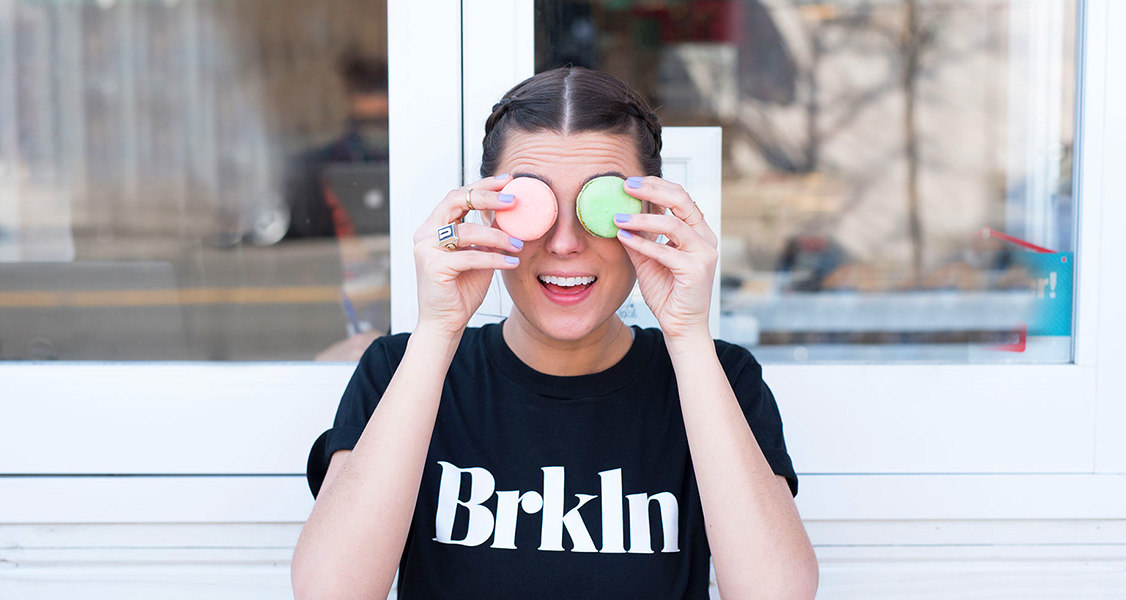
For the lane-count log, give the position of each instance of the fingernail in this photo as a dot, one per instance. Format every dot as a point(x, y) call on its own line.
point(515, 242)
point(505, 176)
point(512, 260)
point(507, 198)
point(621, 218)
point(634, 182)
point(625, 234)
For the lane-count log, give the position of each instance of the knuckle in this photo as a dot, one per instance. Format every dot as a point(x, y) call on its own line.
point(452, 195)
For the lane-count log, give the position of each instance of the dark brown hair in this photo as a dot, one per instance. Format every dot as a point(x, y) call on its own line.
point(573, 100)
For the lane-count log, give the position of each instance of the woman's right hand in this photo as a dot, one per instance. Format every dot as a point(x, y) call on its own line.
point(453, 283)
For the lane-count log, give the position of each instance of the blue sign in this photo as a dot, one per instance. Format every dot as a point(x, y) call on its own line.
point(1052, 277)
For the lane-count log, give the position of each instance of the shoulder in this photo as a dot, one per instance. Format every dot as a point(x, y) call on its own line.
point(735, 359)
point(385, 352)
point(389, 349)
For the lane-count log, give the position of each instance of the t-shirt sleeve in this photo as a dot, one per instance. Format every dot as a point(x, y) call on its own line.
point(369, 381)
point(759, 408)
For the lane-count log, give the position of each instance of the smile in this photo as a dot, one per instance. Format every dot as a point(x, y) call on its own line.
point(566, 281)
point(566, 291)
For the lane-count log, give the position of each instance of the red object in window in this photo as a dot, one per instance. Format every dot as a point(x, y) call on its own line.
point(988, 233)
point(341, 222)
point(1018, 344)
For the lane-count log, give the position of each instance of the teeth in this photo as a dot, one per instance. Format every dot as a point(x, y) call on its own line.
point(566, 281)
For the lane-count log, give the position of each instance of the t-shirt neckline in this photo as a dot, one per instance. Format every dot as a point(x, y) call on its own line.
point(594, 385)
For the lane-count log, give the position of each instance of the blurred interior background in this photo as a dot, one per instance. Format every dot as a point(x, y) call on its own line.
point(207, 179)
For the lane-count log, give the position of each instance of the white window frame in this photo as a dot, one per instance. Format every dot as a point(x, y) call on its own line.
point(221, 442)
point(904, 439)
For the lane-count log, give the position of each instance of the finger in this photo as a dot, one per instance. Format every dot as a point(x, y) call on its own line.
point(661, 192)
point(679, 233)
point(674, 259)
point(469, 260)
point(671, 196)
point(484, 237)
point(490, 200)
point(454, 206)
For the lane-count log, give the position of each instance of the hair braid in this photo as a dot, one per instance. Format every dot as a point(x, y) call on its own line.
point(570, 100)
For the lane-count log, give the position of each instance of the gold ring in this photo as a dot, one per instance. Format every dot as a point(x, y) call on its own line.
point(695, 208)
point(469, 199)
point(447, 237)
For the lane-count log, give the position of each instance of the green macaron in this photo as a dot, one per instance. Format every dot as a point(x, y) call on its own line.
point(602, 198)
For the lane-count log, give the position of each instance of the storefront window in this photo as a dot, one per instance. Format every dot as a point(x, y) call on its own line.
point(896, 173)
point(192, 179)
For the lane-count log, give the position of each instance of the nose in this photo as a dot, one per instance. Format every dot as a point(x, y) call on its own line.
point(567, 236)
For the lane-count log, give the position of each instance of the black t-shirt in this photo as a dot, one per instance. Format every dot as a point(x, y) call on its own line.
point(540, 486)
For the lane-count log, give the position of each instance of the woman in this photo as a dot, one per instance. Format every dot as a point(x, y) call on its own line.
point(560, 453)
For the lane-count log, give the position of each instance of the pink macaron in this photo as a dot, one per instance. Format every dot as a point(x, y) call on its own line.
point(534, 211)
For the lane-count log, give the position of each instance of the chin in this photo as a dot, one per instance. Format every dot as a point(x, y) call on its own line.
point(569, 329)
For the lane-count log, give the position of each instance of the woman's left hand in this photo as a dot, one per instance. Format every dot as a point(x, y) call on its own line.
point(675, 277)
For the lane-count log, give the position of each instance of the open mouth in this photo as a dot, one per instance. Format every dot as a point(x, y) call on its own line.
point(566, 286)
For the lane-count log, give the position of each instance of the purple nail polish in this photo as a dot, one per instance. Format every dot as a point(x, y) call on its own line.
point(505, 176)
point(515, 242)
point(634, 182)
point(621, 218)
point(506, 198)
point(512, 260)
point(625, 234)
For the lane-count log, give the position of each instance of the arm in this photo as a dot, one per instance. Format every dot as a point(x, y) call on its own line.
point(759, 545)
point(354, 538)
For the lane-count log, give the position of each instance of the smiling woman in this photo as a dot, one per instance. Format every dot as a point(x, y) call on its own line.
point(560, 399)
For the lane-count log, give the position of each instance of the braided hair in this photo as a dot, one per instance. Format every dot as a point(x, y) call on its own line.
point(570, 100)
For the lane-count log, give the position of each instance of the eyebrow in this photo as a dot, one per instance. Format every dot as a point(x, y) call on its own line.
point(533, 176)
point(585, 181)
point(614, 173)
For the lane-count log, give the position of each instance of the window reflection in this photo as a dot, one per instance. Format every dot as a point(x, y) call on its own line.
point(189, 179)
point(896, 173)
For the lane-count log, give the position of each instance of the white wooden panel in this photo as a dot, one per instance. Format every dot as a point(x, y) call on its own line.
point(970, 497)
point(931, 419)
point(1103, 172)
point(268, 499)
point(175, 582)
point(165, 418)
point(1090, 105)
point(424, 83)
point(868, 559)
point(505, 29)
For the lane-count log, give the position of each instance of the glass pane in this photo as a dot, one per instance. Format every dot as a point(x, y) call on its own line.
point(896, 173)
point(192, 179)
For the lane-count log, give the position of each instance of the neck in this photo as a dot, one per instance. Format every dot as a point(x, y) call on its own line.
point(597, 351)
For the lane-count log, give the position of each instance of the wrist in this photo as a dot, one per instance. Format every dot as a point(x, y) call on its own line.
point(439, 341)
point(690, 344)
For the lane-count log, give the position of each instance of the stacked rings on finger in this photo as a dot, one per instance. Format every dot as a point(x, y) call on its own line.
point(447, 237)
point(695, 208)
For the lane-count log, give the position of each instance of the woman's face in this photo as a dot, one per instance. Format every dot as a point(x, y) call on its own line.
point(567, 251)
